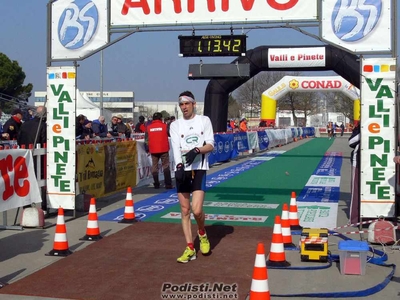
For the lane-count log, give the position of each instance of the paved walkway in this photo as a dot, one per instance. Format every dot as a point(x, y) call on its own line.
point(23, 253)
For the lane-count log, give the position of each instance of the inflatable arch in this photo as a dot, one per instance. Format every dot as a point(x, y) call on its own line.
point(305, 84)
point(216, 97)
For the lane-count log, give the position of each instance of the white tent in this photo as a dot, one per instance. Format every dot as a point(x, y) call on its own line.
point(91, 110)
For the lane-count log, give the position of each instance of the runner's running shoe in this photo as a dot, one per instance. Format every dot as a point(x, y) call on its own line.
point(187, 256)
point(204, 243)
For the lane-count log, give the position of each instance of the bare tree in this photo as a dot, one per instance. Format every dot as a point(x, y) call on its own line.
point(344, 105)
point(249, 93)
point(234, 108)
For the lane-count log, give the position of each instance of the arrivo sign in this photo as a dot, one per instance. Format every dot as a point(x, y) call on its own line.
point(177, 4)
point(178, 12)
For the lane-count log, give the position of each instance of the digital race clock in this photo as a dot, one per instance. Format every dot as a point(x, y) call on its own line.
point(212, 45)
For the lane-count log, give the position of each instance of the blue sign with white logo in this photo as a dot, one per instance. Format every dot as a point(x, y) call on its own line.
point(353, 22)
point(263, 140)
point(78, 24)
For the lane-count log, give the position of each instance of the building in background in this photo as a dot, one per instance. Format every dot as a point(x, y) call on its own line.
point(124, 103)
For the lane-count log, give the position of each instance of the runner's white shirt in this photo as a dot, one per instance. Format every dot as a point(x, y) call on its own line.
point(188, 134)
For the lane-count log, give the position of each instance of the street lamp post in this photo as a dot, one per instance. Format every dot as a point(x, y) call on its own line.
point(101, 82)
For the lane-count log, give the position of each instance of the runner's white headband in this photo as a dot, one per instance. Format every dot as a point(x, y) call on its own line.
point(186, 99)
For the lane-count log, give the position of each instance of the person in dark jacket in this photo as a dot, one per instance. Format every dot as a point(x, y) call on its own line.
point(123, 129)
point(157, 144)
point(87, 132)
point(34, 130)
point(13, 124)
point(99, 128)
point(114, 127)
point(140, 127)
point(79, 126)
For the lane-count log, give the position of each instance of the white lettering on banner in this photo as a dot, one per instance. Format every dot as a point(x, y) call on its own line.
point(240, 205)
point(178, 12)
point(18, 184)
point(61, 146)
point(378, 143)
point(316, 180)
point(314, 215)
point(228, 218)
point(296, 57)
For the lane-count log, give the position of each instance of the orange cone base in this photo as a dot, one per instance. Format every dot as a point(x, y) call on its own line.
point(289, 246)
point(128, 221)
point(59, 252)
point(295, 227)
point(91, 238)
point(278, 264)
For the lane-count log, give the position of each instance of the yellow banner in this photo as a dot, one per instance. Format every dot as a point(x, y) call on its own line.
point(106, 168)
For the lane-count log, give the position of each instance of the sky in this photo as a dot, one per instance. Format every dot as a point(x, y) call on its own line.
point(145, 63)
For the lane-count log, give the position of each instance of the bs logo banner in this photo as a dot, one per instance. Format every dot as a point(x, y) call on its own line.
point(77, 24)
point(352, 22)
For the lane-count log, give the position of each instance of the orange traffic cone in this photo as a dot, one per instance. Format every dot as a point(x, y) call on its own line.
point(259, 285)
point(277, 256)
point(286, 232)
point(129, 213)
point(60, 247)
point(293, 216)
point(92, 230)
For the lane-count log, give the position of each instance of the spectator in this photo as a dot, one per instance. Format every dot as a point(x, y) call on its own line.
point(228, 126)
point(3, 135)
point(149, 120)
point(262, 124)
point(123, 129)
point(79, 126)
point(34, 131)
point(13, 124)
point(243, 125)
point(172, 119)
point(140, 128)
point(87, 131)
point(157, 144)
point(114, 127)
point(99, 128)
point(131, 125)
point(233, 125)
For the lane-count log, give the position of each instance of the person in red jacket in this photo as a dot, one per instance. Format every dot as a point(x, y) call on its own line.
point(157, 144)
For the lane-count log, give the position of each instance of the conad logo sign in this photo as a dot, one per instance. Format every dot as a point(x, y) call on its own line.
point(315, 84)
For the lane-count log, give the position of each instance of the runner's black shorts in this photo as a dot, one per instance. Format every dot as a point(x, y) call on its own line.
point(194, 181)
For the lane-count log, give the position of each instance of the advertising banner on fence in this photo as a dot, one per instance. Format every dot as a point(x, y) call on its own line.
point(263, 140)
point(18, 184)
point(378, 142)
point(61, 104)
point(107, 168)
point(223, 145)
